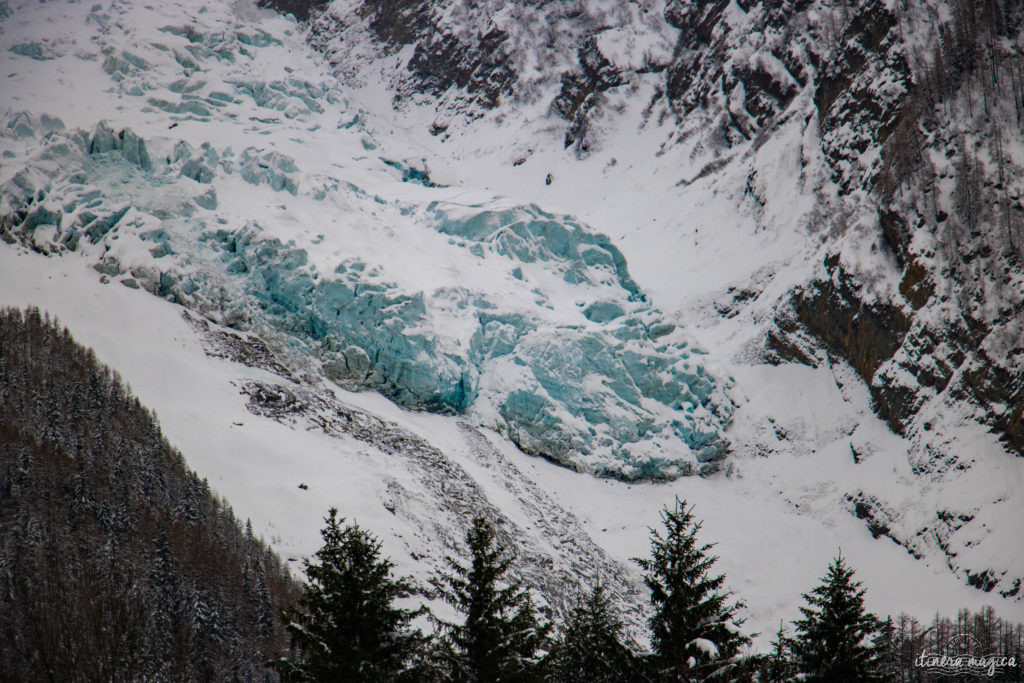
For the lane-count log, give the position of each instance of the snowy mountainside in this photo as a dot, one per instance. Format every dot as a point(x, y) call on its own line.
point(567, 527)
point(473, 57)
point(606, 304)
point(797, 182)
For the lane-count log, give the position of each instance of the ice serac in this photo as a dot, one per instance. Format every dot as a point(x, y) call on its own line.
point(363, 330)
point(618, 392)
point(612, 392)
point(548, 338)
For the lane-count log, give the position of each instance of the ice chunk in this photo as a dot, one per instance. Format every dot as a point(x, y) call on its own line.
point(130, 145)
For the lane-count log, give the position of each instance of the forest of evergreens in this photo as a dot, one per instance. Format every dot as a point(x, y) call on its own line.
point(116, 561)
point(977, 64)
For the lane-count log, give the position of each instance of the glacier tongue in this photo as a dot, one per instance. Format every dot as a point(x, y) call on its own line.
point(243, 185)
point(528, 322)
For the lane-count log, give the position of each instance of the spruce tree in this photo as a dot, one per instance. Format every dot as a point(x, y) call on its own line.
point(776, 666)
point(500, 638)
point(348, 628)
point(833, 640)
point(694, 628)
point(885, 658)
point(590, 649)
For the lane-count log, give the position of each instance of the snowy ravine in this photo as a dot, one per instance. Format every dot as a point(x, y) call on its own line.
point(310, 288)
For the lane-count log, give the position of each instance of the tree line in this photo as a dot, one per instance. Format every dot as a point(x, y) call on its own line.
point(349, 627)
point(117, 563)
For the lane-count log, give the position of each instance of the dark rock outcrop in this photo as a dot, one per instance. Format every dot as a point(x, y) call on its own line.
point(751, 90)
point(581, 90)
point(859, 91)
point(300, 9)
point(864, 334)
point(442, 62)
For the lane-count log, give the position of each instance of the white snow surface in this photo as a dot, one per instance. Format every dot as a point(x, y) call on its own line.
point(778, 514)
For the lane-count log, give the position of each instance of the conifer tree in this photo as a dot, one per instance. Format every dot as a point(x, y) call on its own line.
point(834, 639)
point(348, 628)
point(500, 638)
point(884, 666)
point(590, 649)
point(777, 666)
point(694, 627)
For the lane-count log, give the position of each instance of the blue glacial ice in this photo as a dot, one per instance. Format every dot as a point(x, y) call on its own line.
point(602, 384)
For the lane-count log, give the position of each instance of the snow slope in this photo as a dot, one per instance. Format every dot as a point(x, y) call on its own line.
point(261, 175)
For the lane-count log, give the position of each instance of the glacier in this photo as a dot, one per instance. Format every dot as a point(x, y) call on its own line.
point(562, 352)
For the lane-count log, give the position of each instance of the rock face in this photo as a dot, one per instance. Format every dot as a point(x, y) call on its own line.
point(473, 60)
point(581, 90)
point(953, 330)
point(300, 9)
point(475, 57)
point(921, 153)
point(949, 327)
point(858, 92)
point(749, 74)
point(865, 334)
point(735, 66)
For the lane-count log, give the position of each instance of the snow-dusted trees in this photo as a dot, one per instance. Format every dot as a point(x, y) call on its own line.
point(834, 641)
point(960, 103)
point(116, 561)
point(499, 638)
point(590, 648)
point(776, 666)
point(347, 627)
point(694, 626)
point(906, 646)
